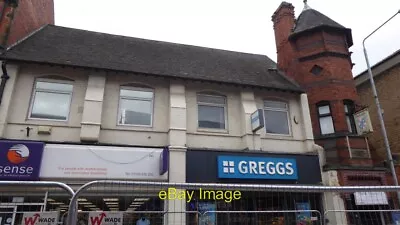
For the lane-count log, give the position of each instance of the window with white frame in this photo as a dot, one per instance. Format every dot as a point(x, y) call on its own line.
point(325, 119)
point(211, 111)
point(51, 100)
point(276, 114)
point(136, 106)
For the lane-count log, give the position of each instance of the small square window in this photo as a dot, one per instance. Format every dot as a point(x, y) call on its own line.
point(211, 111)
point(136, 106)
point(51, 100)
point(276, 117)
point(316, 70)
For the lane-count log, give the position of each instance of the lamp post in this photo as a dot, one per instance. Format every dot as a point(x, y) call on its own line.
point(382, 123)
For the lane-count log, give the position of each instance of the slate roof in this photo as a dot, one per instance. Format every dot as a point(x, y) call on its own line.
point(379, 68)
point(73, 47)
point(311, 19)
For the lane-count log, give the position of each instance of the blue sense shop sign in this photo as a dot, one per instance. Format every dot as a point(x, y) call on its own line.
point(20, 160)
point(238, 167)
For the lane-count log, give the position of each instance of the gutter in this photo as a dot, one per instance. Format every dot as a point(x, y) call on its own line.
point(4, 79)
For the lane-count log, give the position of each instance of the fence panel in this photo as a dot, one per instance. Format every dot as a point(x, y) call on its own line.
point(34, 202)
point(173, 203)
point(376, 206)
point(123, 202)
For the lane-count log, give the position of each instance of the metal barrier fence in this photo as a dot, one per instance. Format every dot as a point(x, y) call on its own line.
point(21, 200)
point(123, 202)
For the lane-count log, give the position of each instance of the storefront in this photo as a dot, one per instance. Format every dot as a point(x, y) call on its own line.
point(206, 166)
point(76, 165)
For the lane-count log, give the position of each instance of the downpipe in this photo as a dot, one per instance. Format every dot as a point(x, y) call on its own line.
point(4, 79)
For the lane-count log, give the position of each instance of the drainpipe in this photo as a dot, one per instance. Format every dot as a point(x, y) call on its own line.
point(6, 18)
point(4, 79)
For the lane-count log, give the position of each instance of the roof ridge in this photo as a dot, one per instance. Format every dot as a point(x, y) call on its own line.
point(27, 37)
point(58, 45)
point(378, 63)
point(166, 42)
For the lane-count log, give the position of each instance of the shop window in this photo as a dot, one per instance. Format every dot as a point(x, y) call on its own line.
point(51, 100)
point(276, 116)
point(211, 111)
point(136, 106)
point(325, 118)
point(349, 111)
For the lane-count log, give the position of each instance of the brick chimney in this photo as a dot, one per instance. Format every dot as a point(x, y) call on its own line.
point(284, 22)
point(6, 19)
point(19, 18)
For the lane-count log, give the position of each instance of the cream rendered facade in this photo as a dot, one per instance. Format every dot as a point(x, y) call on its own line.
point(94, 109)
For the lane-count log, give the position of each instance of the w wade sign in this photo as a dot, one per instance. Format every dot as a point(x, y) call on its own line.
point(105, 218)
point(40, 218)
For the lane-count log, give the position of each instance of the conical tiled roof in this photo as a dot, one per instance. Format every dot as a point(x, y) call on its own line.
point(311, 19)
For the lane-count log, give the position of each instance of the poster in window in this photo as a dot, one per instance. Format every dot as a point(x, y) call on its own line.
point(396, 218)
point(303, 217)
point(207, 218)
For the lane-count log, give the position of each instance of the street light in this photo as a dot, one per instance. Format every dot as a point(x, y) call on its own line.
point(378, 105)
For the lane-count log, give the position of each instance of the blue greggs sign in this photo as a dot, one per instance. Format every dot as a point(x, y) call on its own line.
point(238, 167)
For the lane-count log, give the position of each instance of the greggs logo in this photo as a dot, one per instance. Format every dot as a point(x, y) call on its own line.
point(239, 167)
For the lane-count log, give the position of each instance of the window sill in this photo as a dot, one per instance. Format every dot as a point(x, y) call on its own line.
point(133, 127)
point(47, 122)
point(277, 136)
point(338, 135)
point(210, 130)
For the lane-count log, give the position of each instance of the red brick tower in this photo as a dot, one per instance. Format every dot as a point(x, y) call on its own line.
point(314, 51)
point(18, 18)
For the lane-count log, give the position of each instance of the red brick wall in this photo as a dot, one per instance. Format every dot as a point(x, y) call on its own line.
point(283, 20)
point(362, 178)
point(1, 6)
point(29, 16)
point(335, 84)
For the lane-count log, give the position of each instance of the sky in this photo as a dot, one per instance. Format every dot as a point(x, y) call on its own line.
point(235, 25)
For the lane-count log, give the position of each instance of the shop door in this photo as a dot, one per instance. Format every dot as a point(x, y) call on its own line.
point(7, 215)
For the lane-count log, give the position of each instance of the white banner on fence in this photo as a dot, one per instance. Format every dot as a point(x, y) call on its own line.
point(370, 198)
point(40, 218)
point(105, 218)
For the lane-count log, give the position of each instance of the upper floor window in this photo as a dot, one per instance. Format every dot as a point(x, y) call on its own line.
point(211, 111)
point(136, 106)
point(51, 100)
point(349, 111)
point(325, 119)
point(276, 117)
